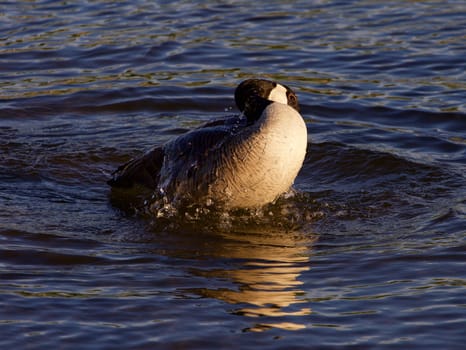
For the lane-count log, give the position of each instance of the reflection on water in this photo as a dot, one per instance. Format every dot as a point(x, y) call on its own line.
point(266, 276)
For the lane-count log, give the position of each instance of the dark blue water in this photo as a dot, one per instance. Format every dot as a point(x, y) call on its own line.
point(369, 253)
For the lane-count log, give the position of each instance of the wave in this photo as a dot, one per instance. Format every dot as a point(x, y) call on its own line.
point(338, 182)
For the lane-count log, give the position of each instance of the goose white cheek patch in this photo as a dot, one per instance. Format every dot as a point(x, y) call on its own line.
point(278, 94)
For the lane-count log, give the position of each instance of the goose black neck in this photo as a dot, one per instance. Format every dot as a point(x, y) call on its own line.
point(254, 107)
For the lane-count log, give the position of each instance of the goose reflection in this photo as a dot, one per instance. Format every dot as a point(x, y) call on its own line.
point(265, 269)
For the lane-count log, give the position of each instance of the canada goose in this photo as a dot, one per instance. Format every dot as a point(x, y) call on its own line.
point(243, 161)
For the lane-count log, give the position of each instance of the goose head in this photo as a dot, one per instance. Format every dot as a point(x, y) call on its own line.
point(252, 96)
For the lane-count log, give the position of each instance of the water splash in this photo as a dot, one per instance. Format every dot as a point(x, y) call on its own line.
point(292, 211)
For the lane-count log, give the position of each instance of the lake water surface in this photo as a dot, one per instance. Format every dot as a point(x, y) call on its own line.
point(369, 253)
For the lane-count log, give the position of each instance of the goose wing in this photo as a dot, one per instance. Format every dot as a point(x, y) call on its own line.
point(144, 170)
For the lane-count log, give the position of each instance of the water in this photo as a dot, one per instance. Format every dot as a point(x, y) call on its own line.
point(369, 253)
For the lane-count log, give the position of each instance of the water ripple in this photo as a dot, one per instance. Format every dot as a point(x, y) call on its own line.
point(369, 249)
